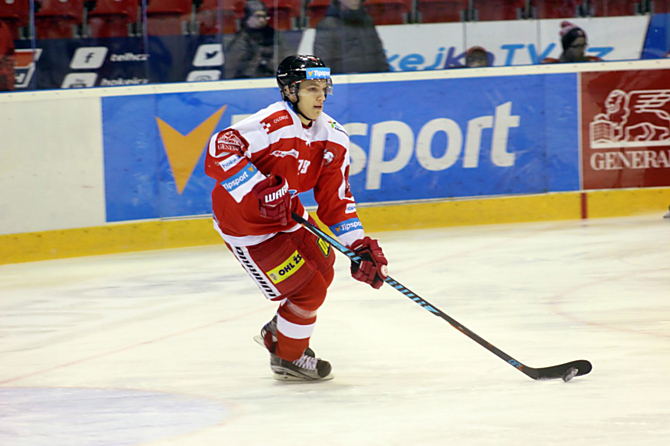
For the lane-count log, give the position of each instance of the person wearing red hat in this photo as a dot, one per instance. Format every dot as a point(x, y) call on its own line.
point(574, 43)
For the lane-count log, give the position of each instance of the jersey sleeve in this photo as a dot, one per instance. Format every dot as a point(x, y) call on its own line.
point(228, 164)
point(336, 204)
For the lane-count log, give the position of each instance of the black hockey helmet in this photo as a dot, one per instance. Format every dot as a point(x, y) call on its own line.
point(295, 69)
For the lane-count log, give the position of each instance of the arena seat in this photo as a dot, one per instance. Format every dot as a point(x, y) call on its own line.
point(219, 16)
point(613, 8)
point(282, 13)
point(659, 6)
point(316, 11)
point(168, 17)
point(59, 19)
point(387, 12)
point(486, 10)
point(15, 14)
point(112, 18)
point(436, 11)
point(556, 9)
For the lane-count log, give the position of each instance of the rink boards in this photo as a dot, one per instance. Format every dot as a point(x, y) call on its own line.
point(119, 169)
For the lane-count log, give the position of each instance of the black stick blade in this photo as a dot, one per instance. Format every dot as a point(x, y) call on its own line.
point(558, 371)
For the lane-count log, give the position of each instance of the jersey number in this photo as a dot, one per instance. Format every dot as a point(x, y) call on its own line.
point(302, 166)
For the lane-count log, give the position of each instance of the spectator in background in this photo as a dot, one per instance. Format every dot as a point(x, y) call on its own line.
point(573, 40)
point(257, 48)
point(476, 57)
point(347, 41)
point(6, 58)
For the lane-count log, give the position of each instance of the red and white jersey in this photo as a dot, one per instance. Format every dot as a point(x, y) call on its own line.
point(275, 141)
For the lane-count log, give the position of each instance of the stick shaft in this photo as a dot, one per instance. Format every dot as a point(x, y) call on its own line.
point(420, 301)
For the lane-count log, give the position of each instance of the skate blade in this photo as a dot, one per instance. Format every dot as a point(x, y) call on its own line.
point(260, 341)
point(287, 377)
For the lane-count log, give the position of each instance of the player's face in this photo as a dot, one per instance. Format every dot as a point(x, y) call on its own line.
point(312, 95)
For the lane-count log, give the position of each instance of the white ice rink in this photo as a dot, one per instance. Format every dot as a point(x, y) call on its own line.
point(156, 348)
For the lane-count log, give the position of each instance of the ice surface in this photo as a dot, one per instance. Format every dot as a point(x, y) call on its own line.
point(156, 348)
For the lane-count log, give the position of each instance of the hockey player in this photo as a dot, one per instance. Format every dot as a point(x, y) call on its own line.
point(260, 165)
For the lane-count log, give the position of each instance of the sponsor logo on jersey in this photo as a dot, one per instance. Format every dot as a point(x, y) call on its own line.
point(324, 246)
point(318, 73)
point(229, 162)
point(351, 208)
point(228, 141)
point(239, 178)
point(287, 268)
point(276, 121)
point(281, 154)
point(334, 125)
point(346, 226)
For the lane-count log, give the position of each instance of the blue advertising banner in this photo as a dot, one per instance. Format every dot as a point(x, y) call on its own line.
point(411, 140)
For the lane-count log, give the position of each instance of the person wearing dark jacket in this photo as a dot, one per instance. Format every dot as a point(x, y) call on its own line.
point(347, 41)
point(257, 48)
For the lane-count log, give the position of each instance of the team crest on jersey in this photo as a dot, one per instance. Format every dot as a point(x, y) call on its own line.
point(328, 157)
point(229, 141)
point(276, 121)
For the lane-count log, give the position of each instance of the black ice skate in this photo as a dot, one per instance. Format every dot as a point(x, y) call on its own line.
point(305, 368)
point(268, 337)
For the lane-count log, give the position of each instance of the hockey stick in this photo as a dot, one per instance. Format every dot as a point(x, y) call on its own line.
point(565, 371)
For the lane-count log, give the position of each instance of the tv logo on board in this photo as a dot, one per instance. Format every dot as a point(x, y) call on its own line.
point(88, 58)
point(640, 118)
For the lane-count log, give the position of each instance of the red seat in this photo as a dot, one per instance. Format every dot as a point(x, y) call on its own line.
point(168, 17)
point(159, 7)
point(219, 16)
point(316, 11)
point(112, 18)
point(660, 6)
point(128, 8)
point(282, 13)
point(612, 8)
point(15, 14)
point(437, 11)
point(386, 12)
point(557, 9)
point(500, 10)
point(58, 19)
